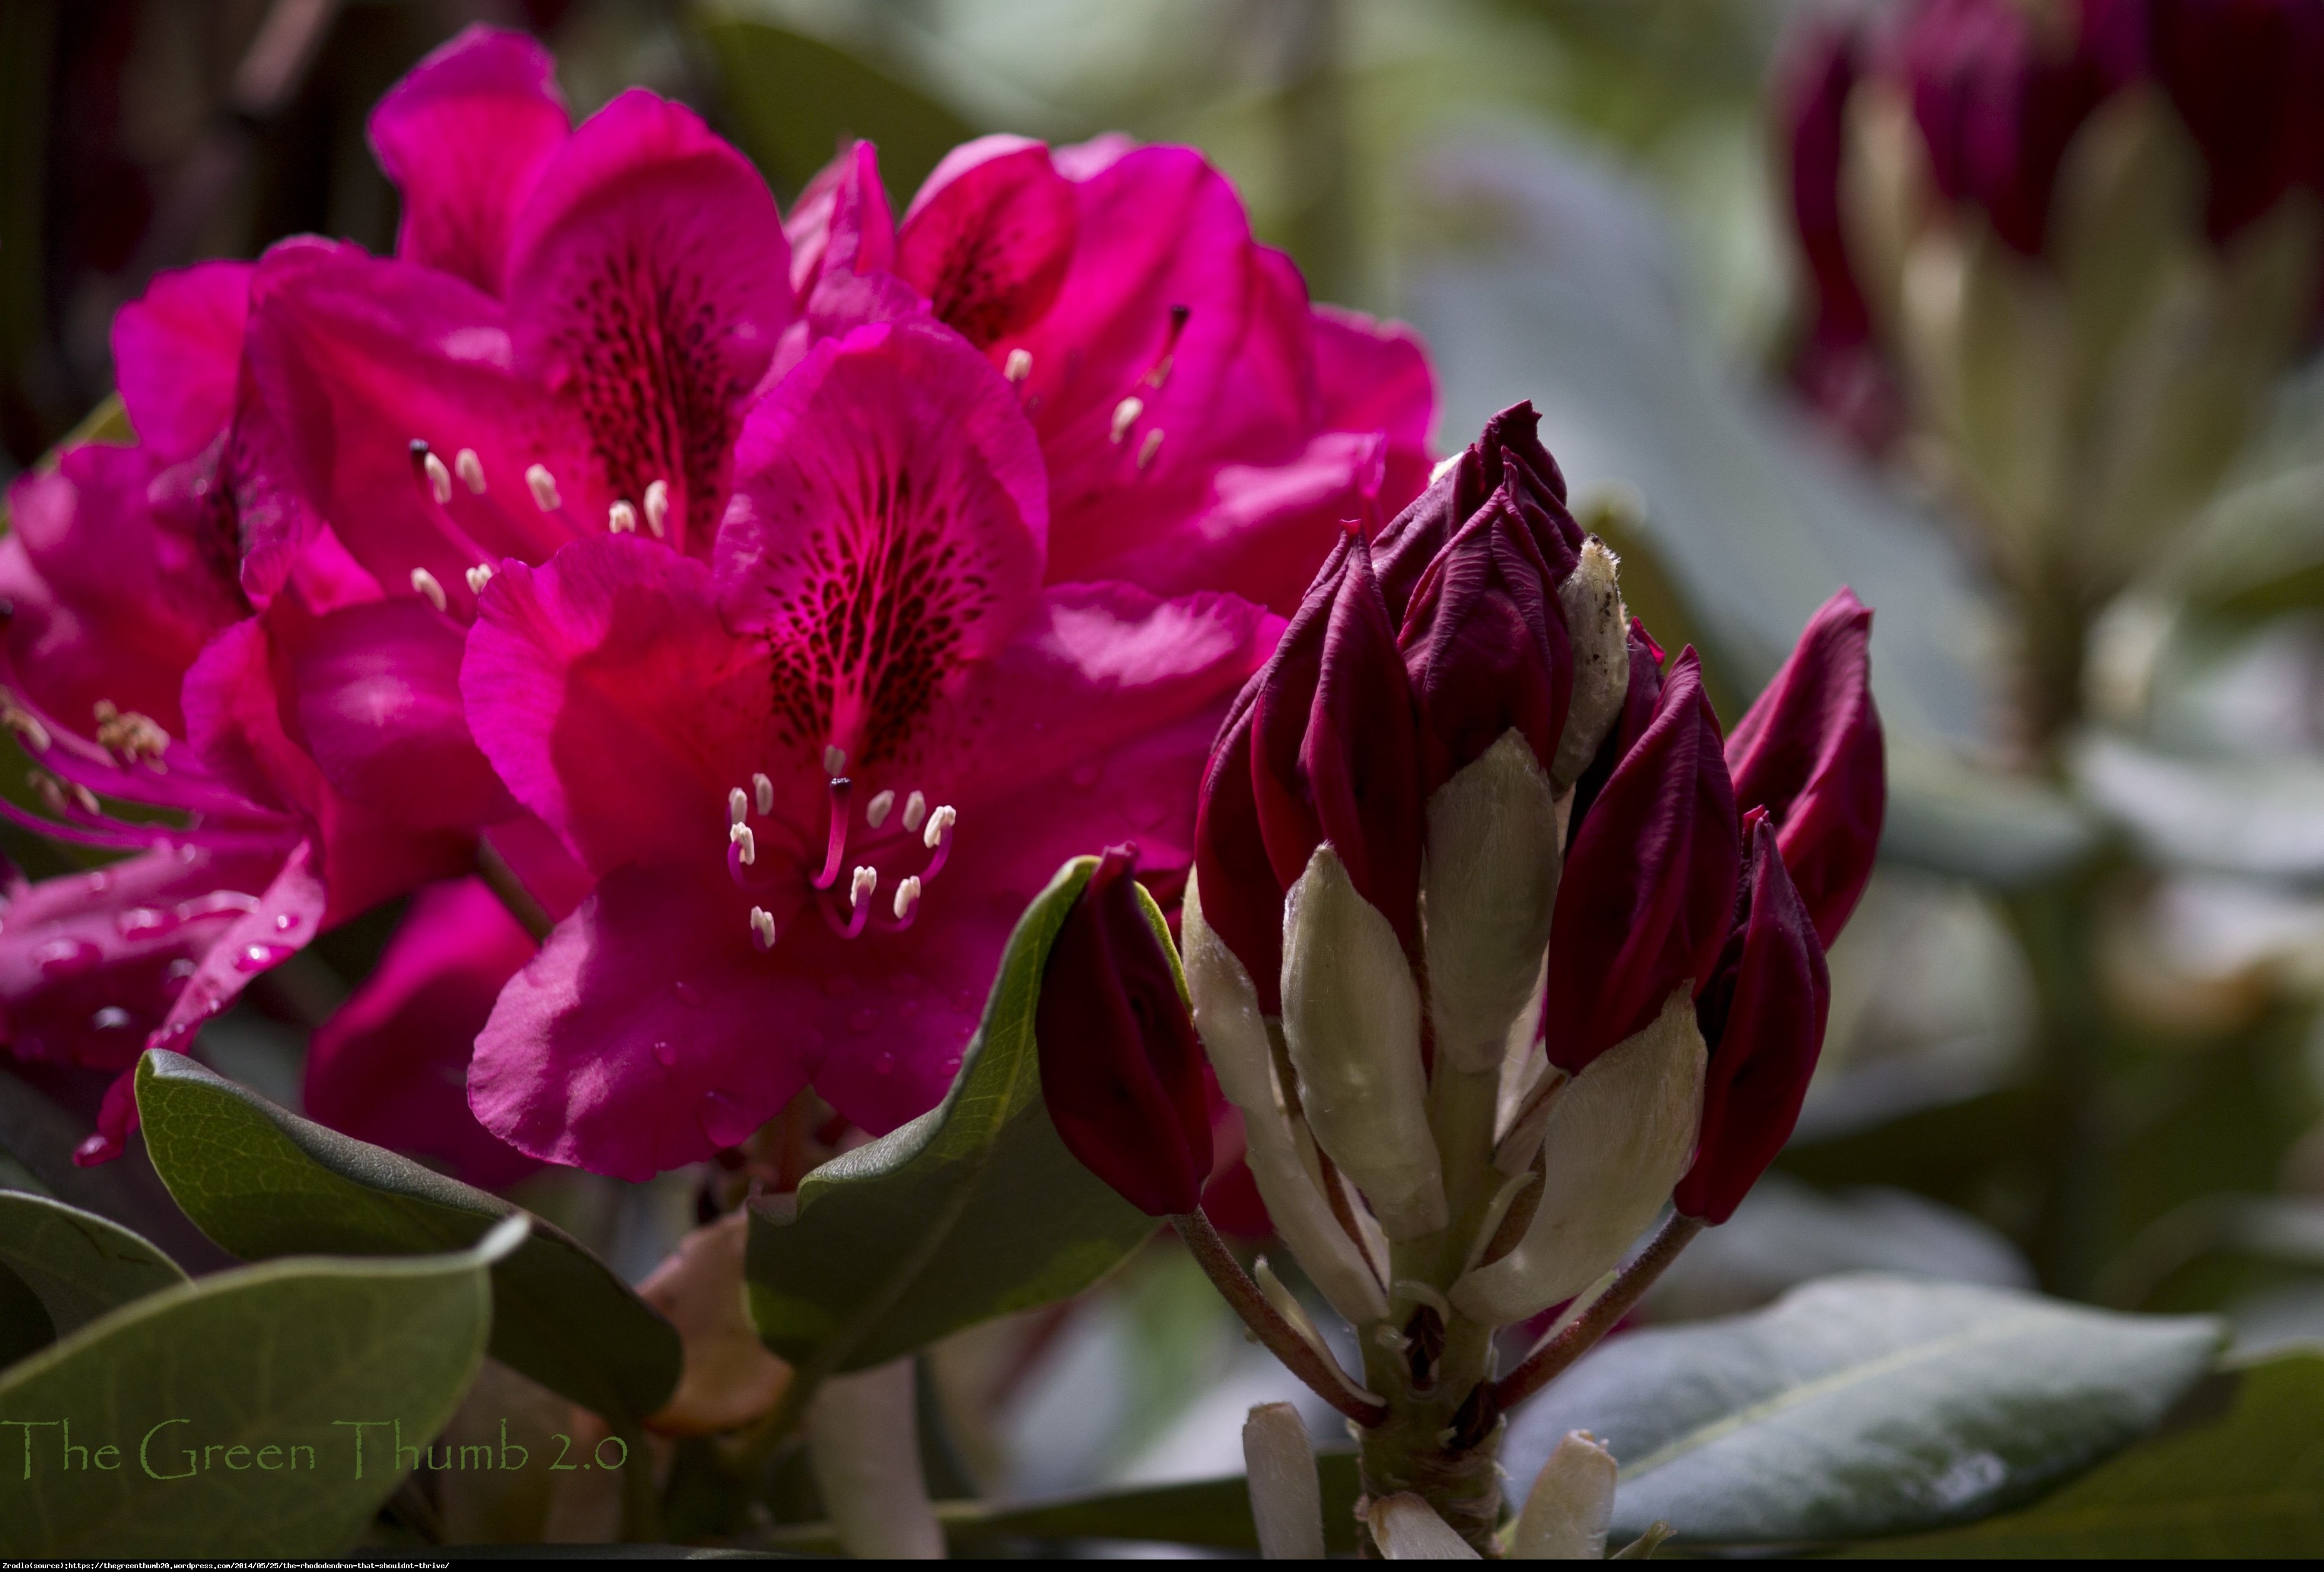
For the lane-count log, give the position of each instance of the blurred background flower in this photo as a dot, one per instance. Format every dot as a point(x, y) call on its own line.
point(2001, 313)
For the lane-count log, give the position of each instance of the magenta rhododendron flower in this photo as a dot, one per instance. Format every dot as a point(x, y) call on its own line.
point(818, 778)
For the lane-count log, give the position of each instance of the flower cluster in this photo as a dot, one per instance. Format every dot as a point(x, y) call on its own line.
point(1497, 946)
point(2064, 247)
point(768, 603)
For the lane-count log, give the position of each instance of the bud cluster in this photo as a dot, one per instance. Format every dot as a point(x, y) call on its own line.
point(1497, 946)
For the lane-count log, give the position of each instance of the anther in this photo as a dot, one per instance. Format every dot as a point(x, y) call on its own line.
point(622, 519)
point(543, 486)
point(762, 927)
point(1125, 415)
point(1149, 447)
point(745, 844)
point(862, 888)
point(478, 577)
point(941, 820)
point(907, 896)
point(916, 813)
point(439, 479)
point(738, 806)
point(763, 791)
point(470, 469)
point(834, 758)
point(658, 507)
point(424, 582)
point(1019, 365)
point(875, 812)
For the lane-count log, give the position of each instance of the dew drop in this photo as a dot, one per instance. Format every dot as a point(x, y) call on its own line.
point(181, 969)
point(884, 1064)
point(112, 1018)
point(664, 1054)
point(257, 958)
point(687, 994)
point(863, 1020)
point(98, 882)
point(67, 957)
point(724, 1120)
point(284, 922)
point(143, 923)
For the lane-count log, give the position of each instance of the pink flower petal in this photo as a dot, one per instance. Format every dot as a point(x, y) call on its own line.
point(288, 913)
point(464, 137)
point(355, 357)
point(91, 963)
point(647, 1033)
point(990, 236)
point(391, 1066)
point(376, 696)
point(1374, 377)
point(614, 702)
point(177, 352)
point(841, 223)
point(648, 282)
point(887, 534)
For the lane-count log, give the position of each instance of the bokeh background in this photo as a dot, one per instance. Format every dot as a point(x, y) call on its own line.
point(2073, 1038)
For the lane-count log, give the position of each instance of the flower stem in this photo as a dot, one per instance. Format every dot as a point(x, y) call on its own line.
point(1235, 1286)
point(1549, 1360)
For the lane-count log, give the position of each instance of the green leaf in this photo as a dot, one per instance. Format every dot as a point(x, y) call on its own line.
point(38, 1135)
point(793, 98)
point(1215, 1514)
point(220, 1417)
point(78, 1263)
point(2250, 1484)
point(973, 1209)
point(262, 1182)
point(1864, 1405)
point(1948, 818)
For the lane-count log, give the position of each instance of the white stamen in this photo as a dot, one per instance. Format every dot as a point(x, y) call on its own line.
point(543, 486)
point(1019, 366)
point(470, 469)
point(915, 812)
point(622, 519)
point(941, 820)
point(834, 758)
point(439, 479)
point(907, 895)
point(763, 790)
point(1125, 415)
point(1149, 447)
point(861, 887)
point(763, 927)
point(739, 835)
point(738, 806)
point(658, 507)
point(424, 582)
point(875, 812)
point(478, 577)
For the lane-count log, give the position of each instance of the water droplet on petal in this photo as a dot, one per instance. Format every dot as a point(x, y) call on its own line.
point(687, 994)
point(258, 957)
point(181, 969)
point(143, 923)
point(884, 1064)
point(112, 1018)
point(664, 1054)
point(99, 882)
point(724, 1120)
point(98, 1148)
point(284, 922)
point(67, 957)
point(863, 1020)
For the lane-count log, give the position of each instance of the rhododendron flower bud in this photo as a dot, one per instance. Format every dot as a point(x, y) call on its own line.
point(1491, 884)
point(1321, 747)
point(1763, 1016)
point(1808, 751)
point(1120, 1070)
point(1484, 640)
point(1648, 884)
point(1597, 625)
